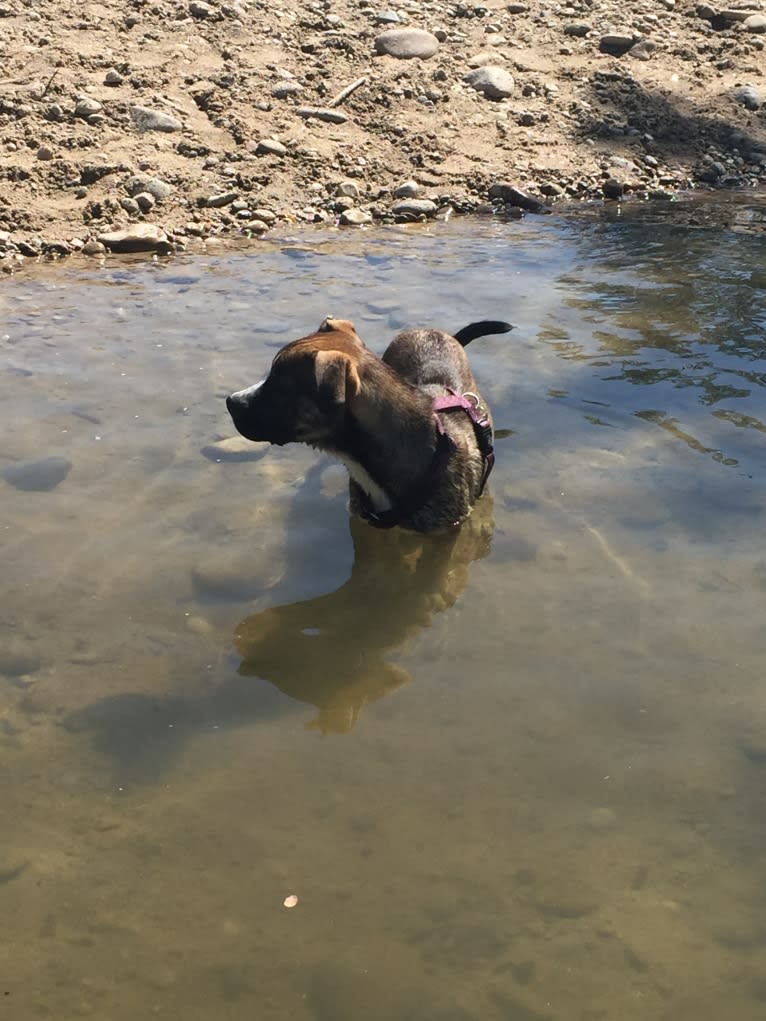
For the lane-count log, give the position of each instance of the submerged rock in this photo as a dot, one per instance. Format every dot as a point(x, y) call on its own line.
point(37, 476)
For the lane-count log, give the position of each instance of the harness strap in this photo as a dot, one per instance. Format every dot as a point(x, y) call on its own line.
point(470, 404)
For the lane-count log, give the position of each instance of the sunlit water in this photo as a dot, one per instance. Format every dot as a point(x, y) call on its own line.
point(520, 777)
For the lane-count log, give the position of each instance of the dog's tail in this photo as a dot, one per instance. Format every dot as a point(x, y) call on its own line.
point(481, 329)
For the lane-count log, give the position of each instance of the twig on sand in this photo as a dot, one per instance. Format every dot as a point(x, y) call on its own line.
point(345, 93)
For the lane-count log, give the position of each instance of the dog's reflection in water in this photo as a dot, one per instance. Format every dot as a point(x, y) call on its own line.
point(331, 651)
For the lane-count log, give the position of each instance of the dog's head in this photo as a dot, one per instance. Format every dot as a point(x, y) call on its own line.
point(303, 398)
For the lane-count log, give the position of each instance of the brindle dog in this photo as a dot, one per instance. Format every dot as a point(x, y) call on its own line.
point(411, 427)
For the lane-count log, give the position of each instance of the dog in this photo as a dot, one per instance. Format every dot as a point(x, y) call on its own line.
point(411, 427)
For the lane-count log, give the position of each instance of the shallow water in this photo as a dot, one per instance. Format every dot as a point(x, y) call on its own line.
point(517, 777)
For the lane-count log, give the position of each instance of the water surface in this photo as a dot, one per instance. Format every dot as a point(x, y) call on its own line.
point(516, 775)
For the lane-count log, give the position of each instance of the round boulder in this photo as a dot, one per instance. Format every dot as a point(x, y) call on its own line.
point(406, 43)
point(493, 82)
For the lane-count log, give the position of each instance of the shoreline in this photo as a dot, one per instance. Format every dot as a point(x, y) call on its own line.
point(177, 123)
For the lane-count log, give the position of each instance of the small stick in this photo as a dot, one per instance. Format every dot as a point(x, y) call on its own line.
point(347, 91)
point(49, 83)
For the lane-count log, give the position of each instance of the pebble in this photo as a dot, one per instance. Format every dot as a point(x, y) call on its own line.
point(407, 190)
point(145, 201)
point(749, 96)
point(270, 147)
point(579, 29)
point(154, 120)
point(283, 90)
point(86, 106)
point(199, 9)
point(18, 664)
point(223, 199)
point(493, 82)
point(234, 578)
point(414, 208)
point(513, 196)
point(112, 77)
point(387, 18)
point(138, 237)
point(407, 43)
point(617, 43)
point(234, 448)
point(153, 185)
point(753, 747)
point(130, 206)
point(483, 58)
point(323, 114)
point(355, 217)
point(264, 214)
point(93, 247)
point(613, 188)
point(756, 23)
point(643, 49)
point(44, 153)
point(37, 476)
point(348, 189)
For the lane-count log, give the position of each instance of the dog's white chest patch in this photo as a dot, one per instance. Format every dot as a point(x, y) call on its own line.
point(378, 497)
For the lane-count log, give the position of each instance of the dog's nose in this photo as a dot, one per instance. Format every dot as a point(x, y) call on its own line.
point(230, 403)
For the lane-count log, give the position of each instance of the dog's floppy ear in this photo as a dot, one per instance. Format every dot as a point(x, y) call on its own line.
point(336, 377)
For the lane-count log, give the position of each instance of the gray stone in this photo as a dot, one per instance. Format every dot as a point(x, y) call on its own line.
point(130, 206)
point(749, 96)
point(18, 663)
point(37, 476)
point(347, 189)
point(414, 208)
point(323, 114)
point(199, 9)
point(513, 196)
point(355, 217)
point(407, 43)
point(283, 90)
point(112, 77)
point(234, 448)
point(154, 120)
point(44, 153)
point(93, 247)
point(483, 58)
point(643, 49)
point(145, 201)
point(493, 82)
point(387, 18)
point(138, 237)
point(153, 185)
point(265, 214)
point(407, 190)
point(756, 23)
point(753, 747)
point(617, 43)
point(223, 199)
point(579, 29)
point(270, 147)
point(613, 188)
point(86, 107)
point(257, 226)
point(231, 577)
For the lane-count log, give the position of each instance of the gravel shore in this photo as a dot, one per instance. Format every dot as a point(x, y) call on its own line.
point(153, 126)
